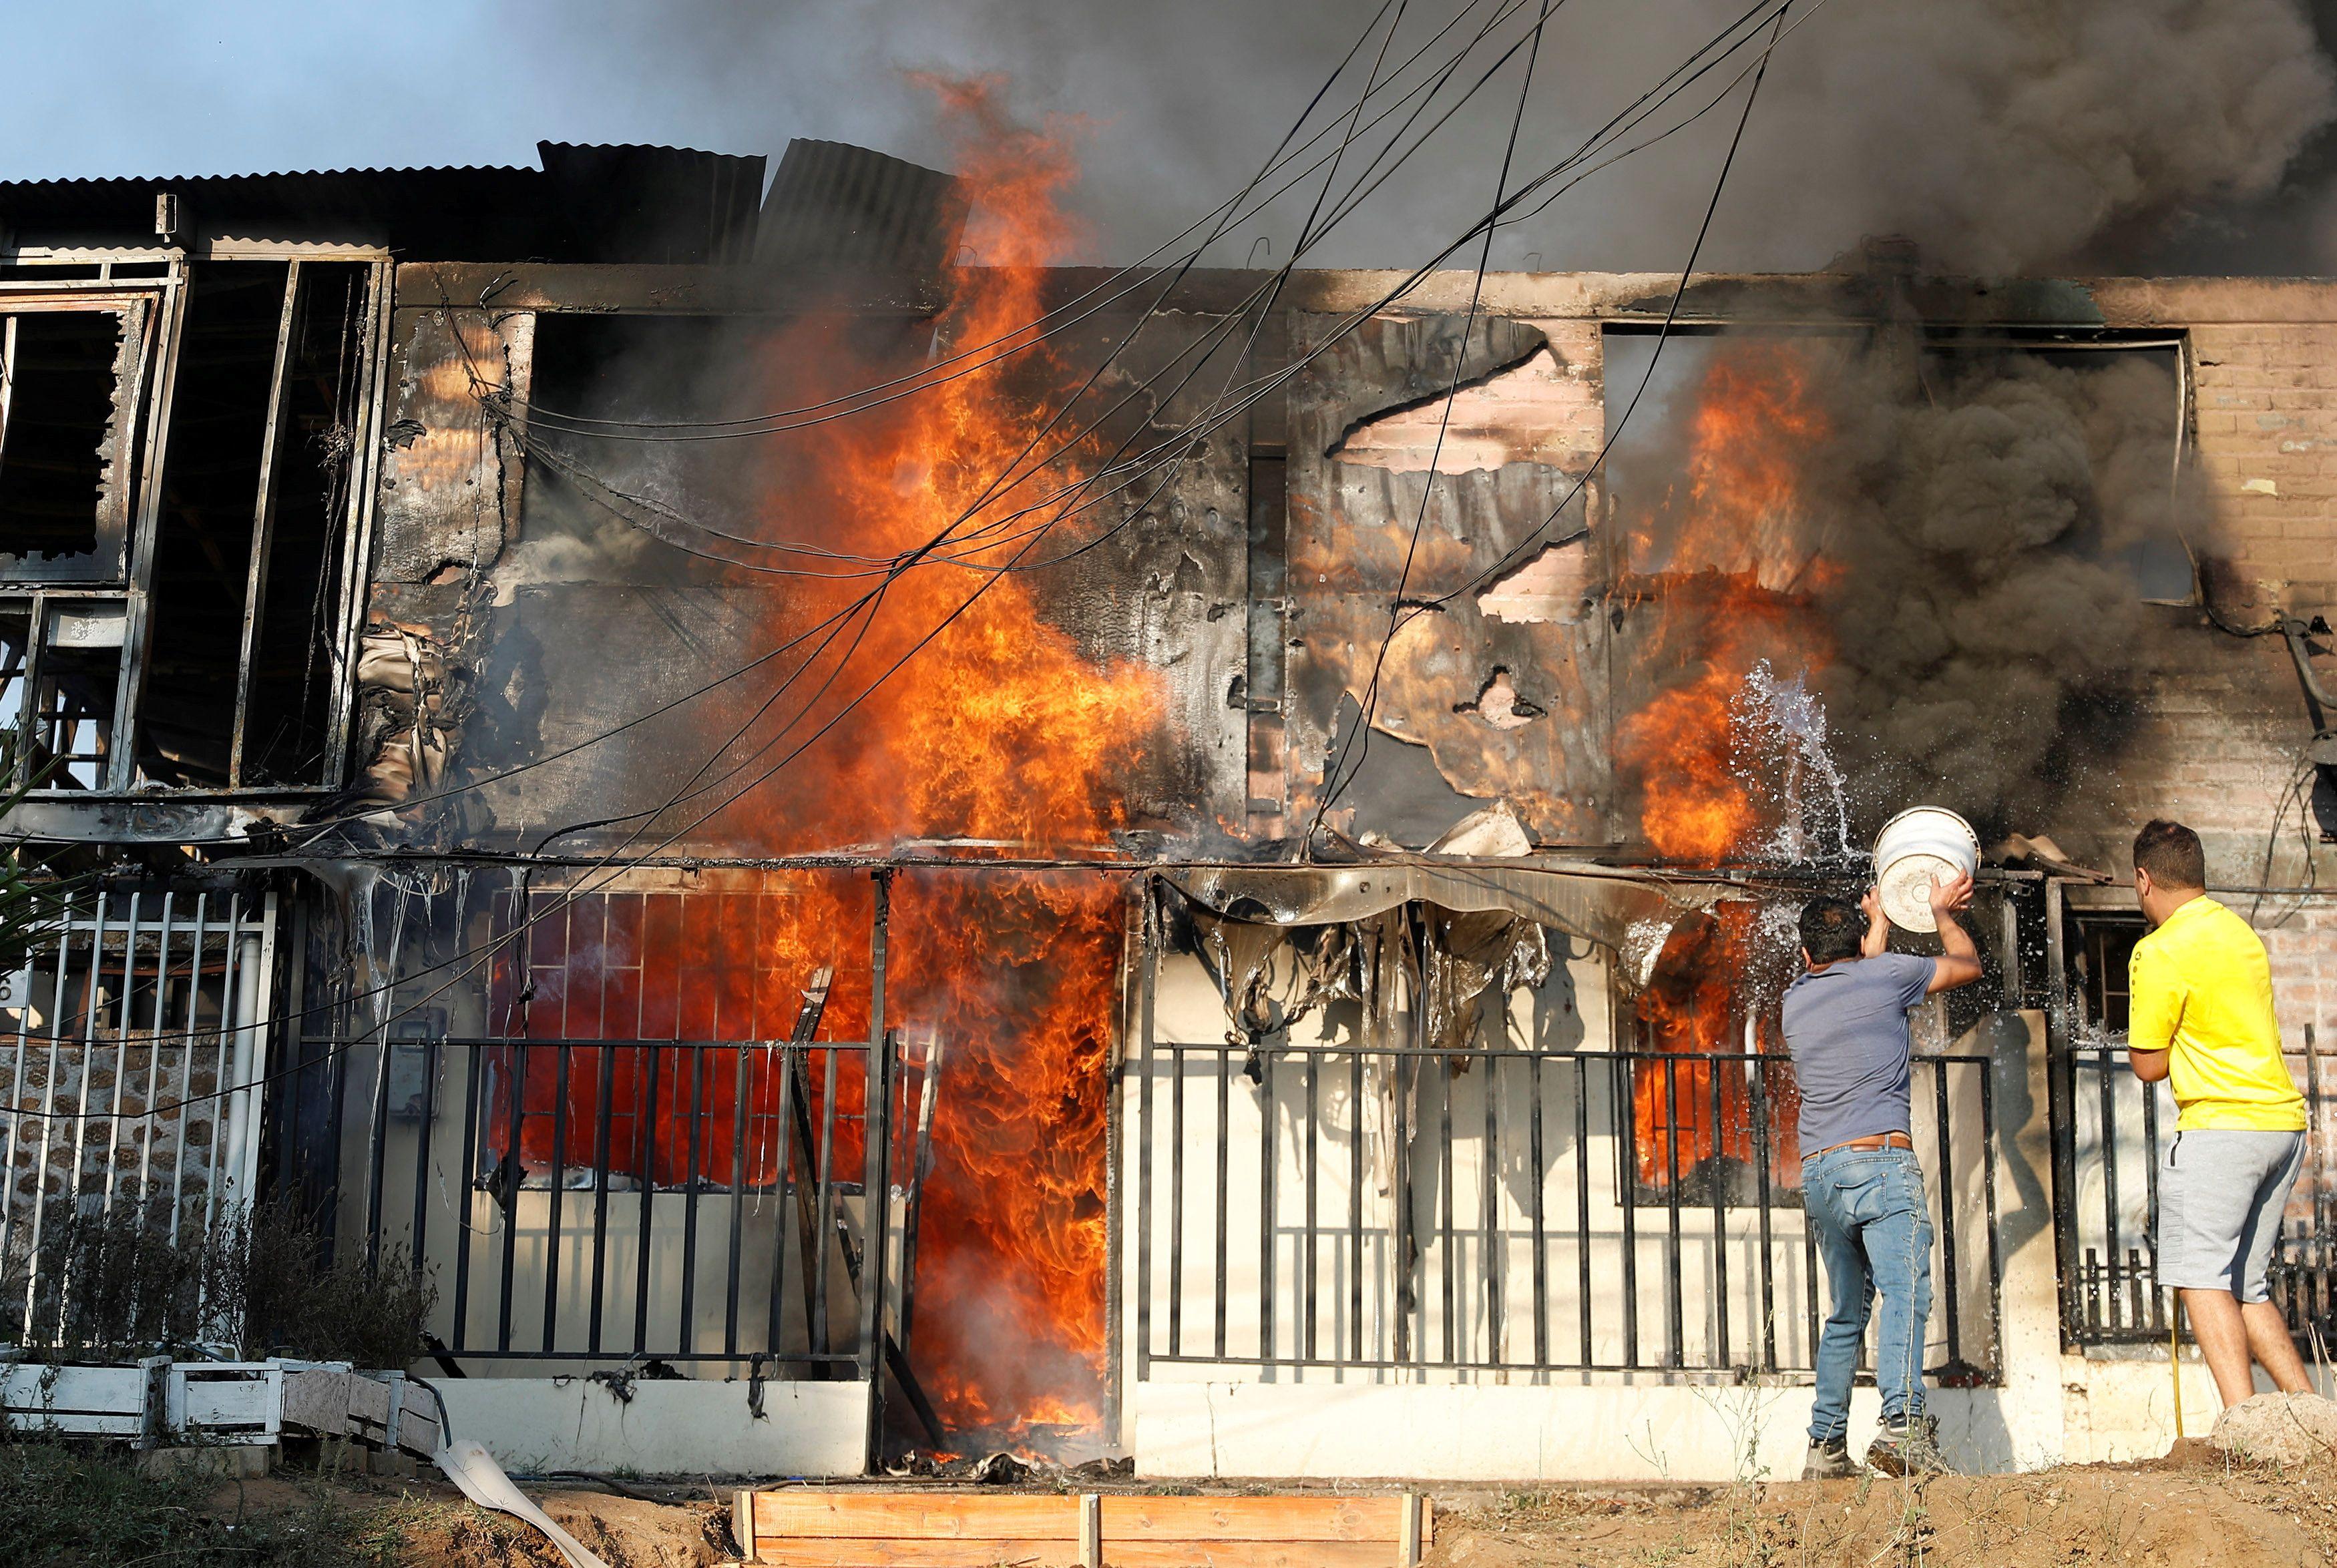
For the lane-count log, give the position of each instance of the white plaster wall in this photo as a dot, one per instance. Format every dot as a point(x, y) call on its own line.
point(1731, 1306)
point(1204, 1420)
point(695, 1426)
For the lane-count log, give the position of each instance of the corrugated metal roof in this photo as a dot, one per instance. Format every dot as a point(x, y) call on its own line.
point(836, 205)
point(586, 203)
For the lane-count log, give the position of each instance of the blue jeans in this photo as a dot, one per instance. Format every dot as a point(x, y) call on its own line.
point(1874, 1229)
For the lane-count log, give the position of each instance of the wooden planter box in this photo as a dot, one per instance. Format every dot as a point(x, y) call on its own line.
point(807, 1528)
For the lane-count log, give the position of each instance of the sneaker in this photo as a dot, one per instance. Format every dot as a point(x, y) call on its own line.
point(1829, 1461)
point(1908, 1448)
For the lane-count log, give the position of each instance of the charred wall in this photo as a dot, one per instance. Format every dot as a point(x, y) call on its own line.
point(555, 619)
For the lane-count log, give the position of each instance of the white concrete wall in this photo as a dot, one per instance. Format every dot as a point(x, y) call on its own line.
point(1519, 1425)
point(694, 1427)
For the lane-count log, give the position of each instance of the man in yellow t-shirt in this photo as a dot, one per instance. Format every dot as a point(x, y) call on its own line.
point(2201, 1014)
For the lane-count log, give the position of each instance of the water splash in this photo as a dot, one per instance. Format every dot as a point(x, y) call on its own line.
point(1780, 734)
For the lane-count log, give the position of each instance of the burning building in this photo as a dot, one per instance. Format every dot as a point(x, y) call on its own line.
point(852, 841)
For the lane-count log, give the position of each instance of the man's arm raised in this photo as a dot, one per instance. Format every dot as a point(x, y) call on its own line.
point(1960, 964)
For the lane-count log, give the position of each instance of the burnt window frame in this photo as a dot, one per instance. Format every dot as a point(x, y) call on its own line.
point(107, 561)
point(151, 287)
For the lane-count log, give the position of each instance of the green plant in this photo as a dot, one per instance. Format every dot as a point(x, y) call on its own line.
point(75, 1505)
point(109, 1285)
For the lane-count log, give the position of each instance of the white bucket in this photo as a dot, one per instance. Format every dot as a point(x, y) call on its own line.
point(1913, 847)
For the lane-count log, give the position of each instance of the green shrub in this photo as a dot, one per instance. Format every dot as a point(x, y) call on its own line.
point(112, 1286)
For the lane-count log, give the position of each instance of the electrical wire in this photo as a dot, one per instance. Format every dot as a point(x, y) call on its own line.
point(488, 949)
point(1334, 784)
point(611, 861)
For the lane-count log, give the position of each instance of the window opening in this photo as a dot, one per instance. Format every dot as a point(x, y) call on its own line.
point(287, 726)
point(250, 543)
point(76, 682)
point(202, 543)
point(64, 416)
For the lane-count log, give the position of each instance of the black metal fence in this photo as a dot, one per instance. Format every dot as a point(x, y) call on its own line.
point(1374, 1210)
point(2109, 1132)
point(685, 1201)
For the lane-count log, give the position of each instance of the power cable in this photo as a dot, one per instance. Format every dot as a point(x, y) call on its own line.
point(1334, 785)
point(609, 862)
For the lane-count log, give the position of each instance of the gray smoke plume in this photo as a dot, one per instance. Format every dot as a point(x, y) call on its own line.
point(2001, 135)
point(1969, 539)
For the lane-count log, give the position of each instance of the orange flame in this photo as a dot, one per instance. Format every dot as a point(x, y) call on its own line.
point(1729, 578)
point(997, 729)
point(1730, 573)
point(1001, 729)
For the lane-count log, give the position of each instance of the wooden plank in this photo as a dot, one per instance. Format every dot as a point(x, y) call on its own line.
point(1317, 1518)
point(742, 1522)
point(1248, 1553)
point(1090, 1531)
point(926, 1517)
point(1414, 1518)
point(971, 1552)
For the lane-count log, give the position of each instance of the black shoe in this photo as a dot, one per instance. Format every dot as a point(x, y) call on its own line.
point(1829, 1461)
point(1908, 1447)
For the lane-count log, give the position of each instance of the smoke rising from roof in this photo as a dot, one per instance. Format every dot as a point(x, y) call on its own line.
point(1971, 536)
point(2001, 135)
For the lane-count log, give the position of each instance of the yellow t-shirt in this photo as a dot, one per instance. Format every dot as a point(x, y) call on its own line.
point(2202, 986)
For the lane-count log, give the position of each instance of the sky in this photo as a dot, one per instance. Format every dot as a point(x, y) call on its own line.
point(2003, 135)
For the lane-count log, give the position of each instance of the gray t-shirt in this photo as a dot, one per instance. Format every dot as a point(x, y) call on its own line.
point(1846, 1026)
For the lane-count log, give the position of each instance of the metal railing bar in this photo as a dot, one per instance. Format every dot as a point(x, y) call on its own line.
point(515, 1166)
point(688, 1321)
point(1147, 1065)
point(431, 1064)
point(1718, 1085)
point(1306, 1311)
point(1488, 1163)
point(1225, 1113)
point(645, 1147)
point(1757, 1092)
point(187, 1069)
point(1176, 1200)
point(121, 1053)
point(605, 1089)
point(1995, 1241)
point(742, 1099)
point(1674, 1306)
point(1582, 1196)
point(1266, 1208)
point(1945, 1182)
point(1446, 1203)
point(556, 1203)
point(466, 1198)
point(824, 1218)
point(154, 1051)
point(1624, 1077)
point(1540, 1235)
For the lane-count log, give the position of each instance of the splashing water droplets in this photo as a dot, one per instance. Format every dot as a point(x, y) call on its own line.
point(1778, 731)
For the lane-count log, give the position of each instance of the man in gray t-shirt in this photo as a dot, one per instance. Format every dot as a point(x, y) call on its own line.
point(1846, 1023)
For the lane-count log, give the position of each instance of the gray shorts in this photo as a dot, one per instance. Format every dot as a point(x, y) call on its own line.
point(2221, 1194)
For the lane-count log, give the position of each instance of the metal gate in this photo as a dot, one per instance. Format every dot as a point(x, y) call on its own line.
point(139, 1031)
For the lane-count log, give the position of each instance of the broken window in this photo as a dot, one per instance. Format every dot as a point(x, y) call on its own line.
point(220, 664)
point(66, 374)
point(252, 550)
point(2103, 948)
point(643, 968)
point(1711, 1091)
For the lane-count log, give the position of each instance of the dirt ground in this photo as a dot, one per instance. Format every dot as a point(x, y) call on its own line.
point(2193, 1509)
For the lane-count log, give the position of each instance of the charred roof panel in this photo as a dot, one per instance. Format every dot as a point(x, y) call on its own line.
point(648, 204)
point(834, 205)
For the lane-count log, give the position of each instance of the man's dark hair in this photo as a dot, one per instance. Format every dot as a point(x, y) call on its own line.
point(1832, 929)
point(2170, 852)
